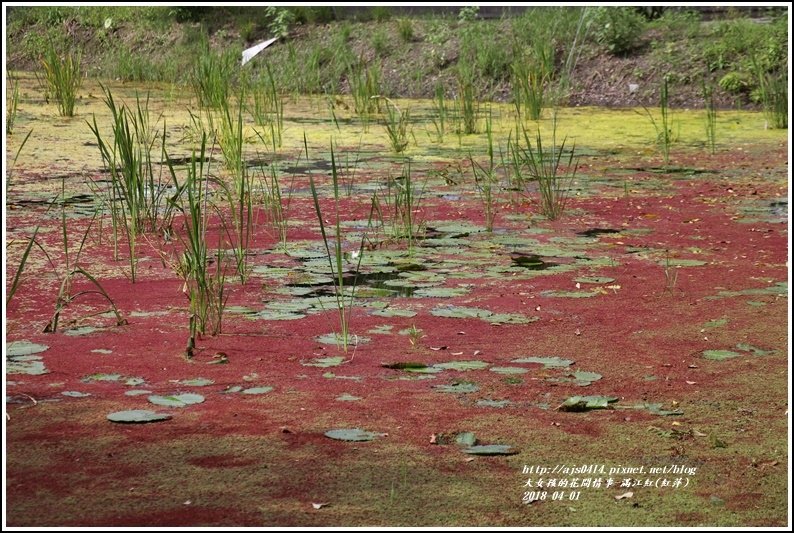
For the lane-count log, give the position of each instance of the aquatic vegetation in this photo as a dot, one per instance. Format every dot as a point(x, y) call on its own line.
point(62, 77)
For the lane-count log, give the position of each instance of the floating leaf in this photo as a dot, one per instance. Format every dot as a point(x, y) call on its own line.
point(656, 409)
point(420, 368)
point(75, 394)
point(347, 398)
point(257, 390)
point(601, 280)
point(569, 294)
point(137, 416)
point(337, 340)
point(331, 375)
point(26, 364)
point(491, 449)
point(136, 392)
point(17, 348)
point(584, 379)
point(508, 370)
point(326, 362)
point(682, 262)
point(232, 389)
point(462, 365)
point(720, 355)
point(102, 377)
point(755, 350)
point(465, 439)
point(352, 435)
point(548, 362)
point(463, 387)
point(493, 403)
point(103, 351)
point(585, 403)
point(716, 323)
point(394, 311)
point(441, 292)
point(196, 382)
point(176, 400)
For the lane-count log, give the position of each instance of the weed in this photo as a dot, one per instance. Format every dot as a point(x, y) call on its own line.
point(62, 78)
point(12, 103)
point(204, 288)
point(396, 123)
point(65, 294)
point(211, 77)
point(711, 117)
point(336, 255)
point(134, 182)
point(440, 115)
point(467, 105)
point(365, 87)
point(670, 274)
point(401, 200)
point(664, 128)
point(543, 166)
point(486, 180)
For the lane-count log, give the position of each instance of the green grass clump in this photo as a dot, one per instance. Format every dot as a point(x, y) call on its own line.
point(62, 78)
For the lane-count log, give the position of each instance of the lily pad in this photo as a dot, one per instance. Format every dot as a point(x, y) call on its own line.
point(26, 364)
point(336, 339)
point(569, 294)
point(17, 348)
point(682, 262)
point(441, 292)
point(176, 400)
point(594, 279)
point(465, 439)
point(347, 398)
point(720, 355)
point(491, 449)
point(420, 368)
point(716, 323)
point(197, 382)
point(584, 379)
point(352, 435)
point(463, 387)
point(232, 389)
point(137, 392)
point(325, 362)
point(548, 362)
point(462, 365)
point(586, 403)
point(656, 409)
point(753, 349)
point(101, 377)
point(393, 311)
point(137, 416)
point(257, 390)
point(509, 370)
point(75, 394)
point(493, 403)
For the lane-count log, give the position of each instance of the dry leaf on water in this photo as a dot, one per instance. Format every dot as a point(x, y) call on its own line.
point(320, 505)
point(624, 495)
